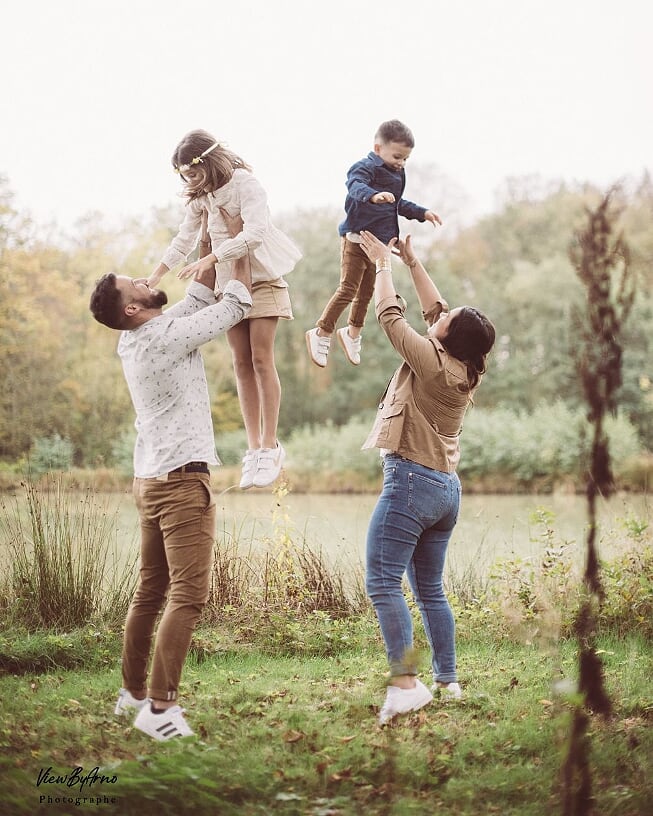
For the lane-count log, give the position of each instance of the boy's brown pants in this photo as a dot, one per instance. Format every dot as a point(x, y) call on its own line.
point(357, 275)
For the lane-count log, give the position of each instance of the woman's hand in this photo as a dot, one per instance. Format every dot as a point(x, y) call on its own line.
point(374, 249)
point(406, 253)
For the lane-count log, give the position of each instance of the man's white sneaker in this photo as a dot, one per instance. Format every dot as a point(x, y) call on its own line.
point(318, 347)
point(128, 704)
point(351, 345)
point(450, 691)
point(401, 701)
point(165, 725)
point(270, 462)
point(250, 462)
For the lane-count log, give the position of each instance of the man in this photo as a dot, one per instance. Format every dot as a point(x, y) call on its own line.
point(175, 445)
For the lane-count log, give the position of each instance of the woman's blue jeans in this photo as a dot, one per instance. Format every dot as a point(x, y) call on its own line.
point(408, 534)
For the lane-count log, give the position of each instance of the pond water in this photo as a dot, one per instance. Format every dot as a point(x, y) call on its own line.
point(489, 527)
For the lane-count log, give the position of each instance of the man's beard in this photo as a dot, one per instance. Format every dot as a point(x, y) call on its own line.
point(156, 299)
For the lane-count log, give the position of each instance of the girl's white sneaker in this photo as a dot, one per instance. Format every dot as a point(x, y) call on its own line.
point(250, 463)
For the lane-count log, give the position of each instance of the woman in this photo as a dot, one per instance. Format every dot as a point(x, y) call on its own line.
point(418, 427)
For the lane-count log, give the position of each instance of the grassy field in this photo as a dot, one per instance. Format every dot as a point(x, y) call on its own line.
point(286, 675)
point(296, 733)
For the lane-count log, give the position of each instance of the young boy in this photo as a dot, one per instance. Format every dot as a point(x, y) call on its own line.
point(375, 186)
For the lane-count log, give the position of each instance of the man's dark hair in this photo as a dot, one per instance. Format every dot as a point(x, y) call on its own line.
point(395, 131)
point(106, 303)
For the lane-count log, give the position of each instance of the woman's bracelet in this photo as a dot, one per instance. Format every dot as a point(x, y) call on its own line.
point(383, 265)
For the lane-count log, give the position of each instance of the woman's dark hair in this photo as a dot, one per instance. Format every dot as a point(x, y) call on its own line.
point(106, 303)
point(470, 338)
point(218, 165)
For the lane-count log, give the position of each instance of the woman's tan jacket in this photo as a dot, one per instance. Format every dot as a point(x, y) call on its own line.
point(421, 413)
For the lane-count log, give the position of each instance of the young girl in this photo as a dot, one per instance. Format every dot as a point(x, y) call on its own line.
point(215, 180)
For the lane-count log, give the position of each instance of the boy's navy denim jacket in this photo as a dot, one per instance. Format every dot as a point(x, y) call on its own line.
point(364, 179)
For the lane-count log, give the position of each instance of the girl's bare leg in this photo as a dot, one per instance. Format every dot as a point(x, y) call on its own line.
point(261, 338)
point(246, 381)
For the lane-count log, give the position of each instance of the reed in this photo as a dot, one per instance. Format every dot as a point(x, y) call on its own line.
point(64, 571)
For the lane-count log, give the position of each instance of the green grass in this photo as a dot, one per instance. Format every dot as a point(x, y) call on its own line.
point(285, 677)
point(297, 734)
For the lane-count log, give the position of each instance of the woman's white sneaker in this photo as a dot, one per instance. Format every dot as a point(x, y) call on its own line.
point(401, 701)
point(448, 691)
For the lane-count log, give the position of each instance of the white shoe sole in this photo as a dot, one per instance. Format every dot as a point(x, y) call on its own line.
point(310, 353)
point(343, 343)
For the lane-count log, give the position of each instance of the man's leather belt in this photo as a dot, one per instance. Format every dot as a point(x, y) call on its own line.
point(192, 467)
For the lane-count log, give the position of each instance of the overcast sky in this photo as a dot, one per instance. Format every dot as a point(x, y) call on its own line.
point(96, 93)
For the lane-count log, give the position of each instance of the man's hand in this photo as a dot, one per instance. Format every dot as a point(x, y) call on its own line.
point(382, 198)
point(234, 223)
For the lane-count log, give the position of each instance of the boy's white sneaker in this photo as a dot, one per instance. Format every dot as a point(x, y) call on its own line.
point(270, 462)
point(401, 701)
point(163, 726)
point(450, 691)
point(250, 462)
point(128, 704)
point(351, 345)
point(318, 347)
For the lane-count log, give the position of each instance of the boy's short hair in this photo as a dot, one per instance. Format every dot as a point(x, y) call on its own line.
point(394, 131)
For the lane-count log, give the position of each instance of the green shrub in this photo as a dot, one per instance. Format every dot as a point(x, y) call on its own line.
point(334, 448)
point(231, 446)
point(50, 453)
point(550, 444)
point(122, 451)
point(628, 584)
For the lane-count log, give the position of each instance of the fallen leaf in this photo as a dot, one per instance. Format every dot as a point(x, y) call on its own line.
point(340, 775)
point(293, 736)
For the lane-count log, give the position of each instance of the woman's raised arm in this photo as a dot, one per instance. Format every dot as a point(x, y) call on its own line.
point(427, 292)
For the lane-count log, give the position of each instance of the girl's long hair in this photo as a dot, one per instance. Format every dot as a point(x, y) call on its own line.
point(218, 165)
point(470, 338)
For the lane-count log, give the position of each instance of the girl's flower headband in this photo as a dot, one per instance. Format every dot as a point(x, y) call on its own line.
point(197, 160)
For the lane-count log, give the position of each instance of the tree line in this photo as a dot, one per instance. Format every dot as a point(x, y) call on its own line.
point(61, 376)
